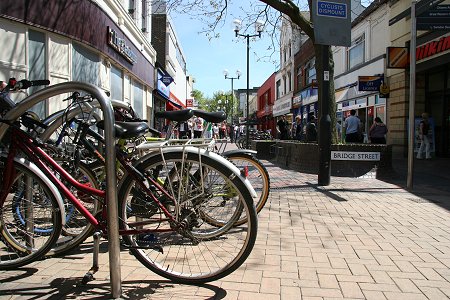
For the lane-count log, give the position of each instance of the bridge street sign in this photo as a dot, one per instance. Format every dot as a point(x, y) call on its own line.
point(332, 22)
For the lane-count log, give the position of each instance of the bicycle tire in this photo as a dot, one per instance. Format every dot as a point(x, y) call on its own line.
point(21, 244)
point(258, 177)
point(175, 256)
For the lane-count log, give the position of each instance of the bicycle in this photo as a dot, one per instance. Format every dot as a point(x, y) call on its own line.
point(244, 159)
point(163, 239)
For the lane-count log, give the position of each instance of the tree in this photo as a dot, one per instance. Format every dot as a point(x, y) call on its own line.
point(214, 12)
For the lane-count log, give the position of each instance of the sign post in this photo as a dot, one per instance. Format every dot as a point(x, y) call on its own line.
point(332, 26)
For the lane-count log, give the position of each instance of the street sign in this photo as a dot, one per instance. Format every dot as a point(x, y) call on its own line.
point(332, 22)
point(167, 79)
point(370, 83)
point(435, 19)
point(421, 7)
point(332, 9)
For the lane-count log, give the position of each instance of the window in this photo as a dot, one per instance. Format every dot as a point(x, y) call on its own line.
point(355, 54)
point(284, 91)
point(138, 99)
point(299, 78)
point(278, 89)
point(310, 71)
point(116, 84)
point(144, 15)
point(85, 65)
point(289, 82)
point(37, 64)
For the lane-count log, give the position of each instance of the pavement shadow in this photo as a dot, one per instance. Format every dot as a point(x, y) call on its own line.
point(70, 288)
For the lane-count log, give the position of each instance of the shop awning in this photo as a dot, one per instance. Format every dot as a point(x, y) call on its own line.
point(341, 95)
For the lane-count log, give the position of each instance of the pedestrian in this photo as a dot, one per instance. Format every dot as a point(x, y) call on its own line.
point(298, 128)
point(311, 128)
point(377, 132)
point(424, 137)
point(215, 131)
point(198, 127)
point(236, 132)
point(182, 130)
point(282, 125)
point(352, 127)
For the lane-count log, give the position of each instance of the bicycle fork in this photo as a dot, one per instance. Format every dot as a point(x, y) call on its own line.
point(89, 276)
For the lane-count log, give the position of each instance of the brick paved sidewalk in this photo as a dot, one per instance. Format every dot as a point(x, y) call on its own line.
point(354, 239)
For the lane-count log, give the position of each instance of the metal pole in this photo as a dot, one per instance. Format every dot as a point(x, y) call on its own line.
point(325, 121)
point(232, 102)
point(412, 96)
point(248, 90)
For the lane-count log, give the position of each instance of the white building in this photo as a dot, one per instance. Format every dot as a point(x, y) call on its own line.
point(360, 69)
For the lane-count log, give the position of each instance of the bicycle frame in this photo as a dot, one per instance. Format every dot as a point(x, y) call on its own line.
point(21, 141)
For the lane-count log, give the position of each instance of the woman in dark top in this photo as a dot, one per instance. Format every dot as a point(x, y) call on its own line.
point(377, 132)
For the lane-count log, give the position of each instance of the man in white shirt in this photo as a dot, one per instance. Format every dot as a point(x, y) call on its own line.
point(198, 127)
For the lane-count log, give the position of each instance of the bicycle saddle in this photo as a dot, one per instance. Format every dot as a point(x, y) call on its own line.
point(212, 117)
point(176, 115)
point(127, 130)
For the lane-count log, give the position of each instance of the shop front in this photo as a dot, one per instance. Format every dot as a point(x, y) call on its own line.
point(433, 89)
point(88, 46)
point(367, 102)
point(310, 100)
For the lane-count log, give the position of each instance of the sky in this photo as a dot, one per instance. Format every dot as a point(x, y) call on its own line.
point(206, 60)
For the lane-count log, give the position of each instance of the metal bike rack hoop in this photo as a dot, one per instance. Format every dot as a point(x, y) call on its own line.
point(111, 182)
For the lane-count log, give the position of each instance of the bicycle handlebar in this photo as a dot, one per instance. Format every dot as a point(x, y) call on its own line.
point(13, 84)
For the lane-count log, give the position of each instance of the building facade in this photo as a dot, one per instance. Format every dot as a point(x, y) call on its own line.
point(266, 99)
point(359, 71)
point(96, 42)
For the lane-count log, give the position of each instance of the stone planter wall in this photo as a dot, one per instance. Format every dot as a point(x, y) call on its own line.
point(304, 157)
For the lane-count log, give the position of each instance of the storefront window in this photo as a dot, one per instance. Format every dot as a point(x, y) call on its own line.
point(116, 84)
point(138, 99)
point(37, 65)
point(85, 65)
point(381, 113)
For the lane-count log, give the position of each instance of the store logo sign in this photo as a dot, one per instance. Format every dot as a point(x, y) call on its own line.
point(433, 48)
point(120, 46)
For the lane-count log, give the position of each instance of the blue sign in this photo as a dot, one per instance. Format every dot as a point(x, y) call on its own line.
point(332, 9)
point(167, 79)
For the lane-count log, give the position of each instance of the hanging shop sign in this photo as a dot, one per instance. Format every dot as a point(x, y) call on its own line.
point(370, 83)
point(161, 87)
point(282, 107)
point(397, 57)
point(119, 44)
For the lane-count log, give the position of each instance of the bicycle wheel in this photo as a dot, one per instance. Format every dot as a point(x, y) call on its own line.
point(197, 252)
point(257, 175)
point(77, 228)
point(30, 219)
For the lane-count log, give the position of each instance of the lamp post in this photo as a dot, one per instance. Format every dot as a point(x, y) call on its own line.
point(258, 28)
point(238, 75)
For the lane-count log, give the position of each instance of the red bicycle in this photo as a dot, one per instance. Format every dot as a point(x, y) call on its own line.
point(165, 202)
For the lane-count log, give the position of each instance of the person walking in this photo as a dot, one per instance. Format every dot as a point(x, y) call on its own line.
point(352, 127)
point(298, 128)
point(198, 127)
point(377, 132)
point(424, 128)
point(283, 128)
point(311, 129)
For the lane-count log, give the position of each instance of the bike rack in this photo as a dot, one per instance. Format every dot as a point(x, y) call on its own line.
point(111, 181)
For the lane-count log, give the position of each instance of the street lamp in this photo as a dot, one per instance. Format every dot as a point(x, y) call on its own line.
point(259, 26)
point(238, 75)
